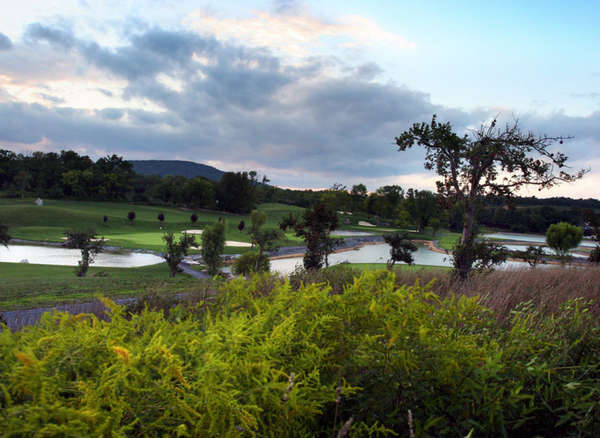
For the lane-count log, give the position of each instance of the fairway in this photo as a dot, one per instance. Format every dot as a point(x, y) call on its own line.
point(27, 286)
point(49, 222)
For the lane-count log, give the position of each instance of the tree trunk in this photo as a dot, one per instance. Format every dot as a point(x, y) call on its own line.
point(463, 259)
point(260, 252)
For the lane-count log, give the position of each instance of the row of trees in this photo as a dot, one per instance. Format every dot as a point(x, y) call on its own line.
point(70, 175)
point(65, 175)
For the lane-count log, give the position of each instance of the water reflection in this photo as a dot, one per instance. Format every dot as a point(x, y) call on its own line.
point(538, 238)
point(50, 255)
point(380, 253)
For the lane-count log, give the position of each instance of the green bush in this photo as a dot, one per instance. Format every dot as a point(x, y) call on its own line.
point(373, 353)
point(562, 237)
point(246, 263)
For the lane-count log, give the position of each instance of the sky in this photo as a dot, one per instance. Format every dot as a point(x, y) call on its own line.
point(308, 93)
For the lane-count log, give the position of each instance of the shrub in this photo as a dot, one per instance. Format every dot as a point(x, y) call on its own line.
point(89, 245)
point(562, 237)
point(213, 244)
point(176, 251)
point(247, 263)
point(268, 360)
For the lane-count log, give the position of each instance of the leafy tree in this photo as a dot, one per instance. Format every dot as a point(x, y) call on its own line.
point(161, 217)
point(401, 249)
point(562, 237)
point(435, 224)
point(176, 251)
point(482, 254)
point(358, 196)
point(593, 220)
point(89, 245)
point(336, 197)
point(390, 199)
point(251, 262)
point(594, 256)
point(263, 239)
point(194, 218)
point(236, 192)
point(131, 217)
point(316, 226)
point(533, 255)
point(199, 192)
point(422, 206)
point(4, 236)
point(213, 244)
point(22, 181)
point(170, 190)
point(489, 161)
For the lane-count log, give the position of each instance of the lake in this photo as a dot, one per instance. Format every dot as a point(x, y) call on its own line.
point(380, 253)
point(537, 238)
point(51, 255)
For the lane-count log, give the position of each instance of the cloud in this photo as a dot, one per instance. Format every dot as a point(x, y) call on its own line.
point(51, 99)
point(195, 97)
point(105, 92)
point(59, 37)
point(591, 95)
point(5, 42)
point(297, 34)
point(110, 113)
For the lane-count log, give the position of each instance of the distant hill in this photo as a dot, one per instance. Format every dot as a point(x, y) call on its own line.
point(188, 169)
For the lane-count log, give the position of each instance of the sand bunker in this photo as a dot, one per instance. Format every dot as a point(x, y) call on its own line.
point(366, 224)
point(93, 240)
point(232, 243)
point(192, 231)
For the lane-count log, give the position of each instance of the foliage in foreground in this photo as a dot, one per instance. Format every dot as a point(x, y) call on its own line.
point(266, 360)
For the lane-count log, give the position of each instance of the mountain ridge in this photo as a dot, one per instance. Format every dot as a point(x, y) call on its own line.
point(189, 169)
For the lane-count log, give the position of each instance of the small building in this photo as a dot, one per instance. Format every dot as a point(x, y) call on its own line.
point(39, 202)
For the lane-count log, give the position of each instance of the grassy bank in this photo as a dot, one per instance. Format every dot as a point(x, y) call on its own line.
point(28, 286)
point(48, 223)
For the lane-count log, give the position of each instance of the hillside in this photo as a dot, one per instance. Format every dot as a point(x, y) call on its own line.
point(188, 169)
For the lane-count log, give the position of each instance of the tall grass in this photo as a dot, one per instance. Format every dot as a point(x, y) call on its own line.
point(501, 291)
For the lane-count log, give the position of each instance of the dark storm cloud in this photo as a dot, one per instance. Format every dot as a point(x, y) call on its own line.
point(244, 107)
point(5, 42)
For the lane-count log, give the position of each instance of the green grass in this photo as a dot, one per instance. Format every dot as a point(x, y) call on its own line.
point(448, 240)
point(48, 223)
point(28, 285)
point(401, 267)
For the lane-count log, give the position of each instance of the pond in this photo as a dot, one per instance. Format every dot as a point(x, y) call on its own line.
point(51, 255)
point(350, 233)
point(545, 249)
point(379, 253)
point(538, 238)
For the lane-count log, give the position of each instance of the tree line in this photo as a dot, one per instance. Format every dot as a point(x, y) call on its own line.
point(69, 175)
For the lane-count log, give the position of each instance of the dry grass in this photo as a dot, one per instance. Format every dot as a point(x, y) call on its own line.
point(503, 290)
point(500, 290)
